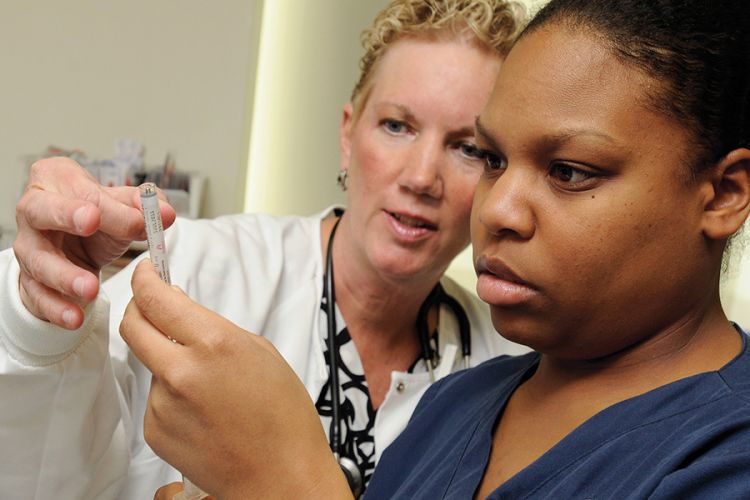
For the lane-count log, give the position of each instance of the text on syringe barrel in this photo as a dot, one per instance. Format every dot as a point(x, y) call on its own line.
point(157, 249)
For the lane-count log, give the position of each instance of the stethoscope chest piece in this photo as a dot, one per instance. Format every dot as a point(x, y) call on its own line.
point(353, 475)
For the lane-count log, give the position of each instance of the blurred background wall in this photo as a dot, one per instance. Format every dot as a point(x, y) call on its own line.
point(176, 75)
point(308, 64)
point(245, 92)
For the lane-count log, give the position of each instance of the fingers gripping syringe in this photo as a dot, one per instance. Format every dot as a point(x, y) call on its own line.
point(157, 251)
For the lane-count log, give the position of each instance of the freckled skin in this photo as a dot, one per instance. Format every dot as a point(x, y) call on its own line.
point(419, 168)
point(618, 261)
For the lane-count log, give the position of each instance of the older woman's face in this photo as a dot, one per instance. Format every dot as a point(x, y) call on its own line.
point(411, 158)
point(585, 227)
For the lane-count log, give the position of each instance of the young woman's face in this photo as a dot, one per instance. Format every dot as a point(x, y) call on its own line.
point(411, 158)
point(585, 225)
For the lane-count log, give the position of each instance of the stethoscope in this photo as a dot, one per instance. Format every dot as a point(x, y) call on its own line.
point(430, 356)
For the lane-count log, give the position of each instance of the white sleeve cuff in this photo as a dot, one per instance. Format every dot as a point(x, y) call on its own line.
point(28, 339)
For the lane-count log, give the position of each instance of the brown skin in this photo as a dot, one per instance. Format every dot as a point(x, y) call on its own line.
point(239, 441)
point(621, 254)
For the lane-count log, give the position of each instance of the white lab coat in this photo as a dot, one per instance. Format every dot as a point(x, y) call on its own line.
point(72, 403)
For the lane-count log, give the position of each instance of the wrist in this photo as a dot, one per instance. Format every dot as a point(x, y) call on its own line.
point(33, 341)
point(311, 476)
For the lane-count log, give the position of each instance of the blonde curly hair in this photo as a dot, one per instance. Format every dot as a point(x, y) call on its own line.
point(491, 24)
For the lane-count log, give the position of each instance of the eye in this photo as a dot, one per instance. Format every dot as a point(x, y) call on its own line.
point(394, 127)
point(571, 176)
point(493, 162)
point(471, 151)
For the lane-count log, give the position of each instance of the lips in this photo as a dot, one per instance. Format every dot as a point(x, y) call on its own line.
point(499, 269)
point(414, 221)
point(498, 285)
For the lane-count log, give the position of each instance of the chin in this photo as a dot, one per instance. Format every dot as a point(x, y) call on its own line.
point(400, 272)
point(402, 264)
point(526, 330)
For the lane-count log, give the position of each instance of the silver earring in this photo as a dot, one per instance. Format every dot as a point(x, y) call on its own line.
point(342, 178)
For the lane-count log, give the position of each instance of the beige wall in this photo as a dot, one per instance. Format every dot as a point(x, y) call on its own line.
point(308, 64)
point(736, 282)
point(173, 74)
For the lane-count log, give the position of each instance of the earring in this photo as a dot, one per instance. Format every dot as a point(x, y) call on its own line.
point(342, 178)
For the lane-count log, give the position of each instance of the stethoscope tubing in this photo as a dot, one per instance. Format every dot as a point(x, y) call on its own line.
point(330, 294)
point(437, 296)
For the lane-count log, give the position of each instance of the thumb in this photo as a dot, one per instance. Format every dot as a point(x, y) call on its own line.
point(168, 491)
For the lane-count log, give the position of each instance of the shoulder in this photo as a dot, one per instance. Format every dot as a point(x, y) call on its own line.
point(712, 435)
point(717, 464)
point(735, 373)
point(467, 392)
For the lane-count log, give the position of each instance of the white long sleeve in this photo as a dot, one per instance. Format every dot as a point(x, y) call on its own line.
point(64, 429)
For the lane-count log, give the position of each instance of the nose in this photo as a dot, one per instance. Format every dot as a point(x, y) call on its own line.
point(505, 206)
point(423, 171)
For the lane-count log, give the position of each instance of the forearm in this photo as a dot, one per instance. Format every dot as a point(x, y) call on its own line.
point(329, 483)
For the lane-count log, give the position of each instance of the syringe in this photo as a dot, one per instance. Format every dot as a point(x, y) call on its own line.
point(157, 251)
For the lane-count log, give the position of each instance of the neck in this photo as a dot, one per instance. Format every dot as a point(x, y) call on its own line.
point(373, 304)
point(697, 343)
point(380, 312)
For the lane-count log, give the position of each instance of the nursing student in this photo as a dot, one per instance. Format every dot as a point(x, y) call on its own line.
point(74, 397)
point(617, 169)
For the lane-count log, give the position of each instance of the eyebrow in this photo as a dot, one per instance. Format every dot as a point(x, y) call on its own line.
point(410, 116)
point(557, 139)
point(566, 135)
point(485, 135)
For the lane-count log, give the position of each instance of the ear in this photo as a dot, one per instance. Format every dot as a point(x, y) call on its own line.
point(345, 135)
point(728, 206)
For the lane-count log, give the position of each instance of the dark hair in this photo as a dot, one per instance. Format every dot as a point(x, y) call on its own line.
point(698, 49)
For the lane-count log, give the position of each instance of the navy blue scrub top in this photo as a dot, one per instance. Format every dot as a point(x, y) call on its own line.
point(687, 439)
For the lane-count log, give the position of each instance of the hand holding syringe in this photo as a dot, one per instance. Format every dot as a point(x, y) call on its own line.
point(158, 253)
